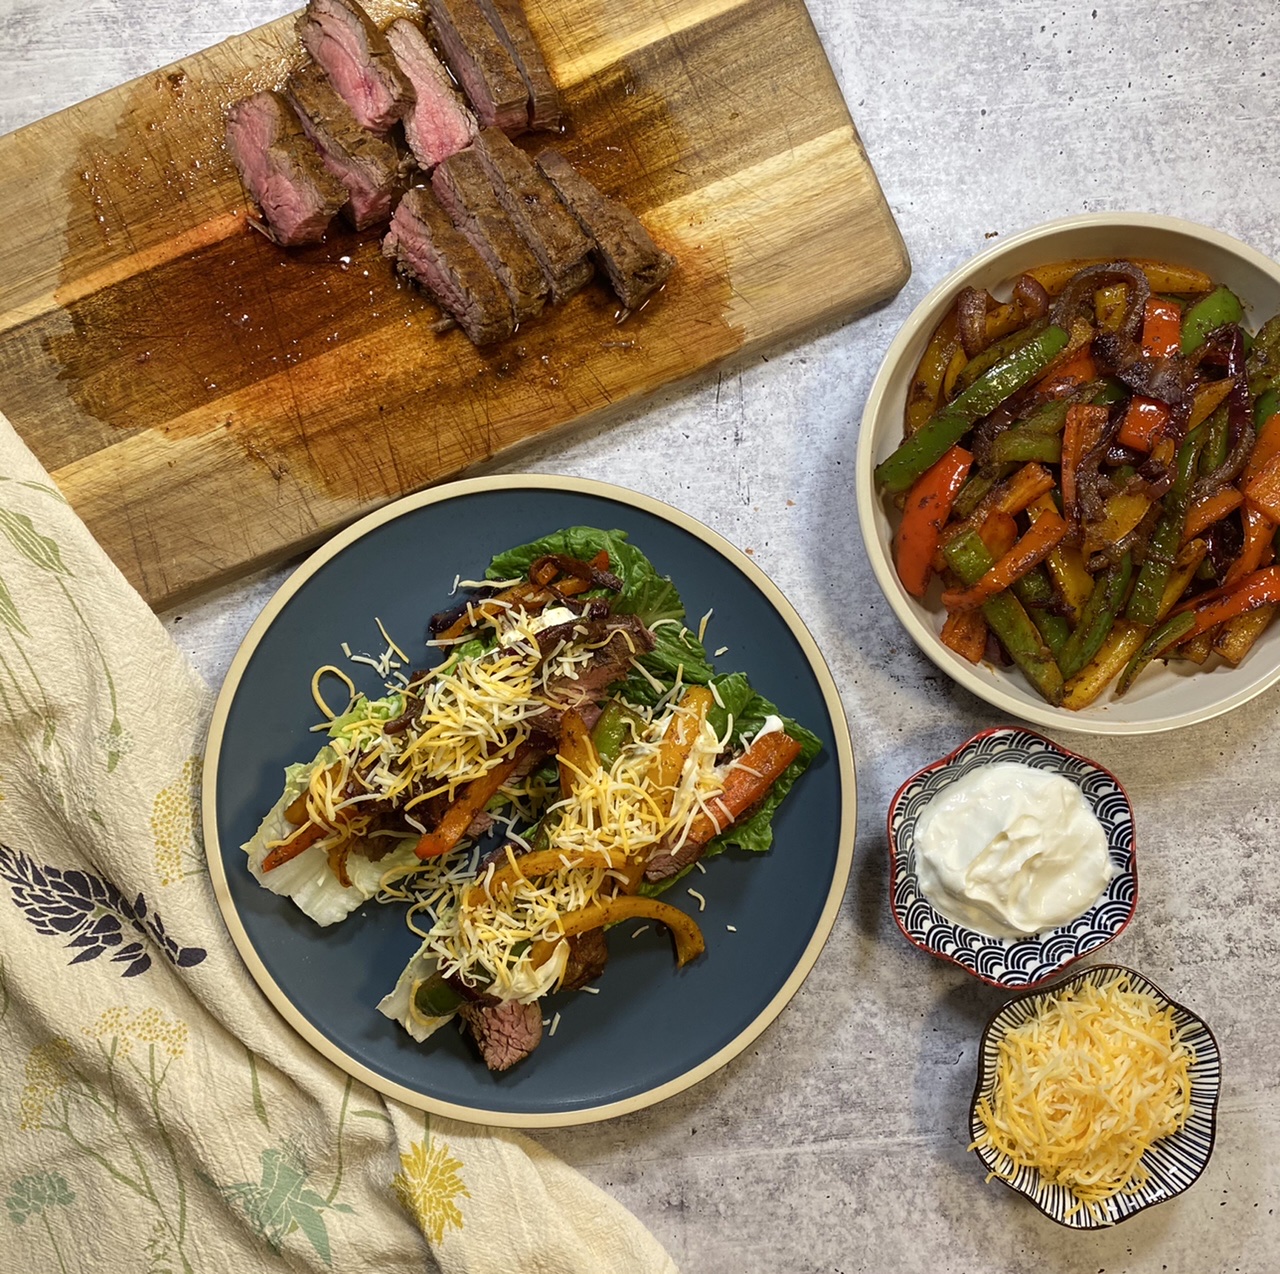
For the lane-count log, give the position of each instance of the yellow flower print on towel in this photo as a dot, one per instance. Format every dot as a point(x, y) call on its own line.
point(175, 819)
point(47, 1075)
point(428, 1183)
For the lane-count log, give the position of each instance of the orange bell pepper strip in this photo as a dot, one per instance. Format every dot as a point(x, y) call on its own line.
point(300, 840)
point(1212, 508)
point(1085, 423)
point(1258, 533)
point(1045, 534)
point(1262, 489)
point(926, 512)
point(1266, 446)
point(999, 532)
point(965, 632)
point(473, 798)
point(688, 939)
point(1262, 588)
point(1161, 328)
point(1145, 419)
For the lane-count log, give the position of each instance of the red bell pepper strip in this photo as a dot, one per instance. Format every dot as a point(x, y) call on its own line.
point(1212, 508)
point(1262, 588)
point(1161, 328)
point(1045, 534)
point(468, 803)
point(1145, 419)
point(926, 512)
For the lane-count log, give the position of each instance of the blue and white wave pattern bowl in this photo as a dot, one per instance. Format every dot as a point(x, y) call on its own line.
point(1019, 963)
point(1173, 1163)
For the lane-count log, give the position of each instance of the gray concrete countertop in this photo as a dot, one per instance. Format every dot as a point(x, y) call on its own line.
point(837, 1142)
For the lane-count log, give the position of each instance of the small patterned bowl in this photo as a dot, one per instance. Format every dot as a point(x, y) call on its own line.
point(1173, 1163)
point(1018, 963)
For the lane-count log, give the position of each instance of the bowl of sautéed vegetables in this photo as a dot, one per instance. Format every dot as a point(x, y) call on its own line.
point(1069, 474)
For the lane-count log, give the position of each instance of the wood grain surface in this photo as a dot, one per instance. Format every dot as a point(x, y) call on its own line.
point(210, 403)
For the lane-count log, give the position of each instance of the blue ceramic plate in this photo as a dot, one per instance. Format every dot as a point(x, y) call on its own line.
point(652, 1030)
point(1172, 1163)
point(1022, 962)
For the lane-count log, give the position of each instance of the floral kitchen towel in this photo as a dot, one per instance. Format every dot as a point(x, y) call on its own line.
point(155, 1112)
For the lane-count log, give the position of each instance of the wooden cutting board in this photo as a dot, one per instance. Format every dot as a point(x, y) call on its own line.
point(210, 403)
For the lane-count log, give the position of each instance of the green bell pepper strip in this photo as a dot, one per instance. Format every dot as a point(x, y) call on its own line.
point(1018, 446)
point(1265, 406)
point(1159, 640)
point(969, 557)
point(1207, 315)
point(1263, 363)
point(615, 725)
point(972, 493)
point(1217, 439)
point(1036, 593)
point(1148, 590)
point(946, 427)
point(1098, 618)
point(990, 356)
point(434, 997)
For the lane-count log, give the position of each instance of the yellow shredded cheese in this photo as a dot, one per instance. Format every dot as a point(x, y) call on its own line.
point(1084, 1088)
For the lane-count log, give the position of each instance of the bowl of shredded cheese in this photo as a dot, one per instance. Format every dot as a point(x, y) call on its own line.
point(1096, 1097)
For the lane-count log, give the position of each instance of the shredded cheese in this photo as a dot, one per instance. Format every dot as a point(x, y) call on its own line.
point(1084, 1088)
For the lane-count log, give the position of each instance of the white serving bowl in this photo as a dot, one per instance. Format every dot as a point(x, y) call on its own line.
point(1164, 697)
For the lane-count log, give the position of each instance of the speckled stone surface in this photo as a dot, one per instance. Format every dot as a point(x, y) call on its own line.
point(837, 1142)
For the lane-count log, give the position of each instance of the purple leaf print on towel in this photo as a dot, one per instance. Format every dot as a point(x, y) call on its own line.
point(92, 914)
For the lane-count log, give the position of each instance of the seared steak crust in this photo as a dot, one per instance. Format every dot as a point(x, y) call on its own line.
point(424, 244)
point(547, 226)
point(482, 64)
point(508, 20)
point(355, 55)
point(634, 264)
point(282, 170)
point(371, 168)
point(465, 192)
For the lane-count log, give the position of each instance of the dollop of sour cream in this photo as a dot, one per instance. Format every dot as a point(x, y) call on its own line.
point(1010, 851)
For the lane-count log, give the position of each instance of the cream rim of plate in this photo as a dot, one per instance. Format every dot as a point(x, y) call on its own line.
point(1165, 697)
point(844, 762)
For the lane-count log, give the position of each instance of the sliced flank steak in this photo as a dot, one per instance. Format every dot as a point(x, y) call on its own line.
point(480, 60)
point(634, 263)
point(438, 124)
point(546, 225)
point(463, 188)
point(504, 1033)
point(370, 167)
point(282, 170)
point(424, 244)
point(355, 55)
point(508, 20)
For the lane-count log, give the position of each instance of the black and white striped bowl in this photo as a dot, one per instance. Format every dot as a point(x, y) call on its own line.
point(1018, 963)
point(1173, 1163)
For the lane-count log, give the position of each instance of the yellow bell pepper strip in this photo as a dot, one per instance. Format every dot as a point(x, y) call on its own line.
point(1236, 637)
point(969, 557)
point(1145, 420)
point(1100, 613)
point(1210, 509)
point(949, 425)
point(1084, 425)
point(965, 632)
point(1113, 655)
point(682, 733)
point(542, 862)
point(576, 753)
point(1161, 328)
point(467, 804)
point(1121, 514)
point(1044, 534)
point(1262, 588)
point(1158, 642)
point(925, 394)
point(684, 929)
point(926, 512)
point(1162, 275)
point(1211, 312)
point(1109, 305)
point(1208, 398)
point(1162, 548)
point(1184, 571)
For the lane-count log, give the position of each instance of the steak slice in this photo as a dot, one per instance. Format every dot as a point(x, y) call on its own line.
point(464, 190)
point(438, 124)
point(508, 20)
point(355, 55)
point(588, 954)
point(482, 65)
point(424, 244)
point(504, 1033)
point(281, 170)
point(370, 167)
point(546, 225)
point(634, 264)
